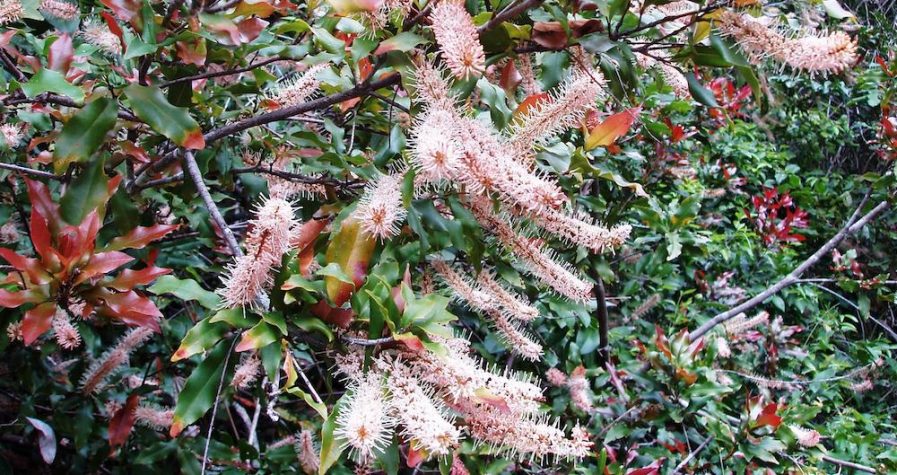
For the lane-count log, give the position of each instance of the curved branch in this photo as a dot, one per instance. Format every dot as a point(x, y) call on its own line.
point(193, 170)
point(854, 224)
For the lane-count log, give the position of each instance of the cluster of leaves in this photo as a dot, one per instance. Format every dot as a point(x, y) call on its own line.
point(99, 175)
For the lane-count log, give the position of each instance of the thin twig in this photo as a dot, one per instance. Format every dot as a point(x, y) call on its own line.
point(853, 224)
point(694, 453)
point(205, 452)
point(216, 74)
point(845, 463)
point(193, 170)
point(30, 171)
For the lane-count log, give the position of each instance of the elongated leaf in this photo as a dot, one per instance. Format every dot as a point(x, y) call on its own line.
point(200, 389)
point(699, 92)
point(185, 289)
point(257, 337)
point(122, 422)
point(140, 236)
point(47, 80)
point(614, 127)
point(150, 104)
point(404, 41)
point(89, 191)
point(200, 338)
point(102, 263)
point(46, 440)
point(37, 321)
point(330, 448)
point(351, 249)
point(84, 133)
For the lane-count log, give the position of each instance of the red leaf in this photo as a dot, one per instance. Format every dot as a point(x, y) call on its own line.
point(415, 457)
point(140, 236)
point(114, 28)
point(340, 317)
point(14, 299)
point(124, 10)
point(532, 101)
point(192, 52)
point(103, 263)
point(130, 307)
point(36, 273)
point(612, 128)
point(652, 469)
point(122, 422)
point(768, 417)
point(411, 341)
point(549, 34)
point(510, 78)
point(39, 195)
point(128, 279)
point(40, 235)
point(61, 54)
point(37, 321)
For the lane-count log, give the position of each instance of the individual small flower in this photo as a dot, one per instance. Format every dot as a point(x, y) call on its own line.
point(9, 232)
point(247, 372)
point(99, 35)
point(363, 423)
point(154, 417)
point(434, 155)
point(60, 9)
point(307, 453)
point(458, 39)
point(266, 243)
point(294, 92)
point(14, 331)
point(12, 135)
point(381, 210)
point(564, 109)
point(113, 359)
point(10, 11)
point(428, 426)
point(67, 335)
point(805, 437)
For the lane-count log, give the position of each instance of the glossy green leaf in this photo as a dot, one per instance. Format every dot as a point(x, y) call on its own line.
point(151, 106)
point(47, 80)
point(84, 133)
point(351, 249)
point(258, 336)
point(202, 336)
point(185, 289)
point(88, 191)
point(201, 387)
point(330, 448)
point(699, 92)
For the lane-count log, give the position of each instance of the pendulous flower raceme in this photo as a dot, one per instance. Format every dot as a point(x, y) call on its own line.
point(381, 209)
point(458, 39)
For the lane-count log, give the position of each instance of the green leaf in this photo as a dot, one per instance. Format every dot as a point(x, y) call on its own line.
point(320, 408)
point(200, 338)
point(185, 289)
point(235, 317)
point(309, 324)
point(350, 249)
point(84, 133)
point(150, 105)
point(330, 449)
point(699, 92)
point(405, 41)
point(329, 42)
point(257, 337)
point(201, 388)
point(47, 80)
point(87, 192)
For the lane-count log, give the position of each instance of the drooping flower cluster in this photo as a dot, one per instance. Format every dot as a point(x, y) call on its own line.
point(118, 356)
point(458, 39)
point(153, 417)
point(10, 11)
point(100, 36)
point(293, 92)
point(60, 9)
point(380, 209)
point(247, 371)
point(502, 308)
point(500, 410)
point(576, 383)
point(814, 53)
point(267, 241)
point(307, 453)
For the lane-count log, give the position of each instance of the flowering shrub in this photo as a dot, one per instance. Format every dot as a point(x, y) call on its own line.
point(502, 237)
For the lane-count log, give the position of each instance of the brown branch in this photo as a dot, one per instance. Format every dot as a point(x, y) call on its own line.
point(51, 98)
point(30, 171)
point(854, 224)
point(845, 463)
point(697, 13)
point(507, 13)
point(601, 313)
point(216, 74)
point(692, 455)
point(193, 170)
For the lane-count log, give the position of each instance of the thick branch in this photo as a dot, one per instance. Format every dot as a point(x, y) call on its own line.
point(193, 170)
point(853, 225)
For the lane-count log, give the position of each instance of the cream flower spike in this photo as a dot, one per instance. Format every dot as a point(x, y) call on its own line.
point(434, 155)
point(268, 239)
point(432, 89)
point(814, 53)
point(295, 91)
point(563, 110)
point(580, 229)
point(381, 210)
point(11, 11)
point(513, 304)
point(671, 76)
point(364, 425)
point(511, 335)
point(541, 264)
point(61, 9)
point(458, 39)
point(99, 35)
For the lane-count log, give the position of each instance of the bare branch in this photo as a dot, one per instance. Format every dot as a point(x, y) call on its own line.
point(30, 171)
point(853, 225)
point(193, 170)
